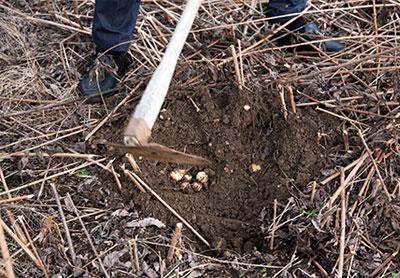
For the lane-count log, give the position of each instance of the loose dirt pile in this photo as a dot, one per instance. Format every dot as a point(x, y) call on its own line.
point(274, 204)
point(237, 202)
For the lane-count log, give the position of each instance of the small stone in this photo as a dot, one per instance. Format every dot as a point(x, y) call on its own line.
point(21, 3)
point(187, 177)
point(177, 174)
point(202, 177)
point(225, 119)
point(197, 186)
point(255, 168)
point(246, 107)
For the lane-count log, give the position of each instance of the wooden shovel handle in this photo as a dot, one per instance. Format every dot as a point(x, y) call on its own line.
point(146, 112)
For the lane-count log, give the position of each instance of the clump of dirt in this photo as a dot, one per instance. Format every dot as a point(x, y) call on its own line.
point(234, 129)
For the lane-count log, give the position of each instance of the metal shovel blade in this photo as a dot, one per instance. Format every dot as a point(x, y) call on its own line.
point(161, 153)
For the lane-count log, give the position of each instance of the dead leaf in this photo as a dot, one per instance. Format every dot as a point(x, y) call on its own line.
point(145, 223)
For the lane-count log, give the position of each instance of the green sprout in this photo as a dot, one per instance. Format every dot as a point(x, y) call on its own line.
point(83, 173)
point(311, 213)
point(263, 272)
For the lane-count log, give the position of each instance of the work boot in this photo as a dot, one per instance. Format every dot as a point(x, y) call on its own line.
point(308, 31)
point(103, 76)
point(311, 31)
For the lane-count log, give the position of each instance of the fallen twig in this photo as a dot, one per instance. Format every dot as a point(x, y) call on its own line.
point(16, 199)
point(375, 166)
point(43, 154)
point(237, 70)
point(50, 177)
point(9, 213)
point(134, 255)
point(32, 244)
point(346, 181)
point(343, 224)
point(337, 174)
point(271, 245)
point(134, 180)
point(116, 108)
point(66, 229)
point(6, 254)
point(175, 238)
point(148, 188)
point(22, 244)
point(87, 235)
point(386, 262)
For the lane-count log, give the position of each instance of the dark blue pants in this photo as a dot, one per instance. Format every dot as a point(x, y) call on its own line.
point(114, 20)
point(113, 24)
point(282, 7)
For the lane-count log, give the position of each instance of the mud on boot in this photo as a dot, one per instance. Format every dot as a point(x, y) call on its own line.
point(103, 76)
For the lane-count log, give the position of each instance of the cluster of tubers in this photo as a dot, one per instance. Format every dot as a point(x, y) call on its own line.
point(254, 168)
point(186, 181)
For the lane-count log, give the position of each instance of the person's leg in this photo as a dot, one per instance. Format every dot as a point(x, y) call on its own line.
point(277, 9)
point(113, 24)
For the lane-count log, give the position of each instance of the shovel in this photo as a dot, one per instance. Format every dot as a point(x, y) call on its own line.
point(141, 122)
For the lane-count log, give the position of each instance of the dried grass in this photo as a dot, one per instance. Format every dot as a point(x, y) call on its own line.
point(42, 51)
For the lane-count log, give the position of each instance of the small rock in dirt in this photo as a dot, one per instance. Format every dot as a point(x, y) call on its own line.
point(202, 177)
point(255, 168)
point(177, 174)
point(20, 3)
point(187, 177)
point(228, 170)
point(225, 119)
point(197, 186)
point(246, 107)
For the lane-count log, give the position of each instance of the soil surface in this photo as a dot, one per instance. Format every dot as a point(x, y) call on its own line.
point(346, 102)
point(216, 123)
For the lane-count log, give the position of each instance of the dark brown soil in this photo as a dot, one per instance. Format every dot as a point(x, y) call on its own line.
point(229, 211)
point(42, 63)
